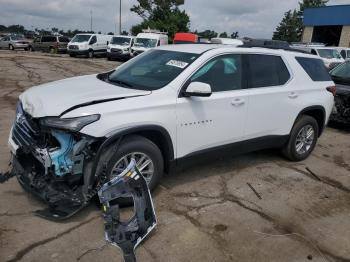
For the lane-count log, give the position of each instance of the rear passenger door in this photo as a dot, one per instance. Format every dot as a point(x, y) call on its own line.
point(273, 102)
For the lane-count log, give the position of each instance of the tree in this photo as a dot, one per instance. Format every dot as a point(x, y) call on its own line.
point(223, 35)
point(235, 35)
point(163, 15)
point(291, 27)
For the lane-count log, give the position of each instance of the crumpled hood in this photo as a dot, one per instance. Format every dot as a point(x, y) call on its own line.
point(52, 99)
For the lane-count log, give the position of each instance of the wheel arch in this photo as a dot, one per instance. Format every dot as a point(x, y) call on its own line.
point(157, 134)
point(319, 113)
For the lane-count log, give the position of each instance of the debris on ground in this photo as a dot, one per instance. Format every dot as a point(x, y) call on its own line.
point(127, 235)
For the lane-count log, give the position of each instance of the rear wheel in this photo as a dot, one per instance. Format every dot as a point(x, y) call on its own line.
point(11, 47)
point(303, 139)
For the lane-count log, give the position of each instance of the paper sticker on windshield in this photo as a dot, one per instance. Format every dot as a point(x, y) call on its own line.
point(178, 64)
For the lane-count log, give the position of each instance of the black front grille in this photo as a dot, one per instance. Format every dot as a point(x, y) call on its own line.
point(73, 47)
point(25, 132)
point(116, 50)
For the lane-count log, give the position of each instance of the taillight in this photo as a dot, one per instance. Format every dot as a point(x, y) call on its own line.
point(332, 89)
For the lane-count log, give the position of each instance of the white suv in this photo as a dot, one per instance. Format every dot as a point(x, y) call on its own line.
point(170, 104)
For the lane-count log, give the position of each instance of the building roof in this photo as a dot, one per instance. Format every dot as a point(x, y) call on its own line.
point(327, 15)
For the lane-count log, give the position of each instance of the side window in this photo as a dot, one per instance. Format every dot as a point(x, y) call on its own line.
point(315, 68)
point(93, 40)
point(343, 54)
point(223, 73)
point(313, 52)
point(266, 71)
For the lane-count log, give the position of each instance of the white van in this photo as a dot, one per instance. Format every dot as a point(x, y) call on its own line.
point(330, 55)
point(345, 52)
point(120, 47)
point(88, 45)
point(148, 40)
point(226, 41)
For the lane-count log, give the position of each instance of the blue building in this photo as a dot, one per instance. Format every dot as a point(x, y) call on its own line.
point(328, 24)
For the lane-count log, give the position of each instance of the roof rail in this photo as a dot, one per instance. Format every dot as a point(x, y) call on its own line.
point(270, 44)
point(307, 44)
point(154, 31)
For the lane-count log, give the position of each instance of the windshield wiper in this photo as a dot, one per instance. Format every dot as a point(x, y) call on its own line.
point(120, 82)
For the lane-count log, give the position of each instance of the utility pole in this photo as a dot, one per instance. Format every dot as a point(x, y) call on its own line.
point(120, 17)
point(90, 20)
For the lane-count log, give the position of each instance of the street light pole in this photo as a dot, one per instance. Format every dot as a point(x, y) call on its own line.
point(90, 20)
point(120, 17)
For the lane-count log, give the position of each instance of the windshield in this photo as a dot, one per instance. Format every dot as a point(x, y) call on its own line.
point(145, 42)
point(80, 38)
point(329, 53)
point(342, 71)
point(124, 41)
point(152, 70)
point(17, 37)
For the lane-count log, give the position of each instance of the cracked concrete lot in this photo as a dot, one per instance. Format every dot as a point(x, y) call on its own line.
point(205, 213)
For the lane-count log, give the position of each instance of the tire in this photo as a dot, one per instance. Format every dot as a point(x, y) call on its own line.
point(139, 146)
point(30, 49)
point(303, 139)
point(90, 54)
point(11, 48)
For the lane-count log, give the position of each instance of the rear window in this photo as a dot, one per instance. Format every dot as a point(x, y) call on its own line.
point(267, 70)
point(63, 39)
point(49, 39)
point(315, 68)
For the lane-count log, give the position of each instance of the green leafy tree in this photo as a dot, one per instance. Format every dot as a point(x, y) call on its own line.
point(163, 15)
point(223, 35)
point(235, 35)
point(291, 27)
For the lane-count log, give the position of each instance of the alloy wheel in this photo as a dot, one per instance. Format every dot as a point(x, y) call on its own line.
point(143, 162)
point(305, 139)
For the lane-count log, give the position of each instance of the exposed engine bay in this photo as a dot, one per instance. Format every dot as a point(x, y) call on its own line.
point(56, 165)
point(129, 234)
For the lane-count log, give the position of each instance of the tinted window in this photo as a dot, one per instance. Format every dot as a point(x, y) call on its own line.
point(93, 40)
point(152, 70)
point(267, 70)
point(222, 74)
point(343, 54)
point(315, 68)
point(63, 39)
point(342, 71)
point(48, 39)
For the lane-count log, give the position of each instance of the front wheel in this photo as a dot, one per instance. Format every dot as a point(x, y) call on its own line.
point(91, 54)
point(303, 139)
point(147, 155)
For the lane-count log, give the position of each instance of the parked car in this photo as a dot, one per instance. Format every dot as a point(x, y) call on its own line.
point(345, 52)
point(226, 41)
point(167, 106)
point(185, 38)
point(49, 43)
point(146, 41)
point(330, 55)
point(13, 42)
point(89, 45)
point(341, 77)
point(120, 47)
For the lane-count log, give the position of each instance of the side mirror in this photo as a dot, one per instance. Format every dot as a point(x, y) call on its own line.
point(198, 89)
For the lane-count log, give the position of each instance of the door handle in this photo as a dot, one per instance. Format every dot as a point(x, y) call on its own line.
point(293, 95)
point(238, 102)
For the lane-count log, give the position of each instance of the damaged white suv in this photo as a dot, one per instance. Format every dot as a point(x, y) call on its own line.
point(169, 104)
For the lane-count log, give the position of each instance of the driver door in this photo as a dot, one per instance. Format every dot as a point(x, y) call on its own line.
point(208, 122)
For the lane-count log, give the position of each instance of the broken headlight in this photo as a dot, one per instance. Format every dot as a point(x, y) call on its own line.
point(73, 124)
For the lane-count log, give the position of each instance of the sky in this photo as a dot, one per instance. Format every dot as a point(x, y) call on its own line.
point(254, 18)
